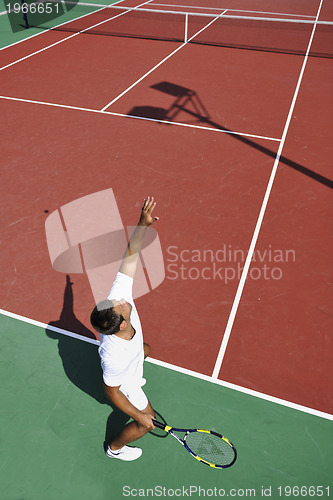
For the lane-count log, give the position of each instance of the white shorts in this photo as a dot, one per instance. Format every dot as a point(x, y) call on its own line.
point(137, 397)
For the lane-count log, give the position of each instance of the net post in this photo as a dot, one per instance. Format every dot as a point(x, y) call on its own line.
point(25, 17)
point(186, 27)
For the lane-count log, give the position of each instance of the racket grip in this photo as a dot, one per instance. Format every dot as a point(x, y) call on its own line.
point(159, 424)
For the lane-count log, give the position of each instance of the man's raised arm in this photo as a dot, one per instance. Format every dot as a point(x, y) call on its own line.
point(131, 257)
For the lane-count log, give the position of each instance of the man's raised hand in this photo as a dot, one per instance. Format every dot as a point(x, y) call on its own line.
point(146, 218)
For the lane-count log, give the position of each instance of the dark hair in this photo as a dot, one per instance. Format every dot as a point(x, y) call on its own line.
point(105, 319)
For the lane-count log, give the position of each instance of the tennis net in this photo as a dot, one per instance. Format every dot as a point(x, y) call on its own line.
point(272, 34)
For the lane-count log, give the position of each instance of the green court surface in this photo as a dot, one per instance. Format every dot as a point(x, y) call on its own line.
point(15, 32)
point(54, 420)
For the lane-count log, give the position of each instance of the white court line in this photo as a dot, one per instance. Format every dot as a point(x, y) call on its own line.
point(140, 79)
point(244, 390)
point(122, 115)
point(203, 29)
point(44, 325)
point(53, 27)
point(200, 127)
point(230, 10)
point(156, 66)
point(212, 379)
point(240, 288)
point(72, 36)
point(184, 371)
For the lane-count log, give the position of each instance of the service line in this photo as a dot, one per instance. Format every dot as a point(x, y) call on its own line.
point(122, 115)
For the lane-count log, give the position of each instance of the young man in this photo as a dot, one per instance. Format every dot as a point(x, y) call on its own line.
point(122, 350)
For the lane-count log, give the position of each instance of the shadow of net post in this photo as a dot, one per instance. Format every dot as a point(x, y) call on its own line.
point(203, 117)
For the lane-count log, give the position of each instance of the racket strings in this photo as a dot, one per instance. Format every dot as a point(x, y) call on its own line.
point(211, 448)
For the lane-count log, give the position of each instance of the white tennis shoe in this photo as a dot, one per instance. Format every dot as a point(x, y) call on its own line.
point(126, 453)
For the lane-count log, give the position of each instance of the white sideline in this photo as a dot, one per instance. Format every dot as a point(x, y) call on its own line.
point(255, 236)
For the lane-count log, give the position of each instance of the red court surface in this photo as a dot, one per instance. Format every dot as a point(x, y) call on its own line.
point(88, 81)
point(297, 7)
point(210, 187)
point(268, 92)
point(99, 142)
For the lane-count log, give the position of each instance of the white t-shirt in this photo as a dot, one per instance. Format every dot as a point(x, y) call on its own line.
point(122, 360)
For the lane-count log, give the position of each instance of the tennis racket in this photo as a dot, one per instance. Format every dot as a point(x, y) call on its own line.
point(208, 447)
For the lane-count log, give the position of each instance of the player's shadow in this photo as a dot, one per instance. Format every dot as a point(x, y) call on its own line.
point(81, 361)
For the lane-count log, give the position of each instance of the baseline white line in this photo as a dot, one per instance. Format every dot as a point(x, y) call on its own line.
point(50, 327)
point(53, 27)
point(184, 371)
point(71, 36)
point(230, 10)
point(122, 115)
point(244, 390)
point(155, 67)
point(240, 288)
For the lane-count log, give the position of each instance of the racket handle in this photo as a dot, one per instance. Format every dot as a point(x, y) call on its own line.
point(159, 424)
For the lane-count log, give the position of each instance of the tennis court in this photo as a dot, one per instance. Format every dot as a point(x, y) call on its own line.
point(222, 112)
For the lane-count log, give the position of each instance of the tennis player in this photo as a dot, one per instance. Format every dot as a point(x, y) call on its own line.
point(122, 350)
